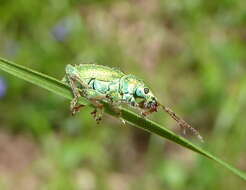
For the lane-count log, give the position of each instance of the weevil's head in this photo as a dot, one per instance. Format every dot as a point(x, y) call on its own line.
point(146, 100)
point(149, 101)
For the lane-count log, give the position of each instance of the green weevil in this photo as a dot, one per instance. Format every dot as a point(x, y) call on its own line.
point(101, 83)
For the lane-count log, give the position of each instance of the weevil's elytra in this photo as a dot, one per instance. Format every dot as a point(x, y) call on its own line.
point(101, 83)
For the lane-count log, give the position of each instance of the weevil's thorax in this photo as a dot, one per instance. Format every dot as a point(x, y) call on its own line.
point(128, 84)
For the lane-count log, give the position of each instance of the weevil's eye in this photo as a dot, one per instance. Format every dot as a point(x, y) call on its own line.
point(146, 90)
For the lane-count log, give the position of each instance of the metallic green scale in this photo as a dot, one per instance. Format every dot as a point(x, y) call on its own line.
point(100, 72)
point(101, 78)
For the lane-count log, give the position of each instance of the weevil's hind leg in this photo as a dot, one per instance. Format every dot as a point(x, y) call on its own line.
point(182, 123)
point(72, 79)
point(73, 105)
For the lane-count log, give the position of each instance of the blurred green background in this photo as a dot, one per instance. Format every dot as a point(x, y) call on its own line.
point(191, 52)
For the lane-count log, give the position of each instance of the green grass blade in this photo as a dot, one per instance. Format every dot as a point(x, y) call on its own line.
point(61, 89)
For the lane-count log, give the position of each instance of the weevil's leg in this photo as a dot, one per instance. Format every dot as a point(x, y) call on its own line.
point(64, 80)
point(123, 121)
point(95, 97)
point(73, 105)
point(72, 74)
point(84, 84)
point(116, 109)
point(146, 113)
point(114, 97)
point(77, 108)
point(72, 80)
point(98, 111)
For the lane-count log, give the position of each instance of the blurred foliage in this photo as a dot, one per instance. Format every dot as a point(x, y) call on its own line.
point(191, 52)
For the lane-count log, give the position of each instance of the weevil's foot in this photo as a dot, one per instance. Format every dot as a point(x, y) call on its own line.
point(76, 109)
point(96, 116)
point(144, 114)
point(94, 113)
point(73, 105)
point(111, 100)
point(73, 111)
point(123, 121)
point(98, 119)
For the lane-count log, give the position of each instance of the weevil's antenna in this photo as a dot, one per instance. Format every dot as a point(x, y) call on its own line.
point(182, 123)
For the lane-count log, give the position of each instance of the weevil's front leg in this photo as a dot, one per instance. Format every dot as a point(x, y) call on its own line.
point(95, 98)
point(146, 113)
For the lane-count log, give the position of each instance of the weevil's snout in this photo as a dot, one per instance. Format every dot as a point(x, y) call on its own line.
point(152, 104)
point(149, 104)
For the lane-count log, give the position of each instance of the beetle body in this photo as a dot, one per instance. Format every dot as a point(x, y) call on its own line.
point(101, 83)
point(111, 83)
